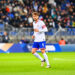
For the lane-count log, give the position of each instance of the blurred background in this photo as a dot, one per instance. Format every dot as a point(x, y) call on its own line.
point(16, 22)
point(16, 30)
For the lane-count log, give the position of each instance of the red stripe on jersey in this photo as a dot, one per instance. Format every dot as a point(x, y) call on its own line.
point(44, 26)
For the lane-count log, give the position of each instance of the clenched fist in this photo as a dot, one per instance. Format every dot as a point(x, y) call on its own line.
point(36, 30)
point(33, 37)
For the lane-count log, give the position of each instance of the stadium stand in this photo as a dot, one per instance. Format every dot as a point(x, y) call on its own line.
point(18, 13)
point(16, 18)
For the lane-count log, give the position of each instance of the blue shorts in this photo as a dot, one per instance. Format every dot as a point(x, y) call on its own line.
point(41, 45)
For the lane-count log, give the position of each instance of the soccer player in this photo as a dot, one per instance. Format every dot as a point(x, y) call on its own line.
point(39, 39)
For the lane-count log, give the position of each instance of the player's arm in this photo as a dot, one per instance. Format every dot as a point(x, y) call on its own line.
point(33, 36)
point(43, 28)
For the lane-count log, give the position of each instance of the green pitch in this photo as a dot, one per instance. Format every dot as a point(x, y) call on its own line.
point(26, 64)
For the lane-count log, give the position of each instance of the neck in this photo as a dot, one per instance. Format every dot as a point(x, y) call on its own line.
point(36, 20)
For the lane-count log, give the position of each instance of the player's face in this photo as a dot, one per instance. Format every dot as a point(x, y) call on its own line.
point(35, 17)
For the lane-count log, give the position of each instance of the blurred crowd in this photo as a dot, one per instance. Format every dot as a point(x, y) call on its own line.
point(55, 13)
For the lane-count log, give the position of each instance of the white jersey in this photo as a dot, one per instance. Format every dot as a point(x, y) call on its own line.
point(39, 36)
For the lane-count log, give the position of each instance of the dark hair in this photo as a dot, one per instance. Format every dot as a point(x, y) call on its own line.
point(35, 13)
point(62, 38)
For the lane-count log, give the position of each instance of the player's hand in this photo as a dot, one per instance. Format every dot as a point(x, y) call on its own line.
point(36, 30)
point(33, 37)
